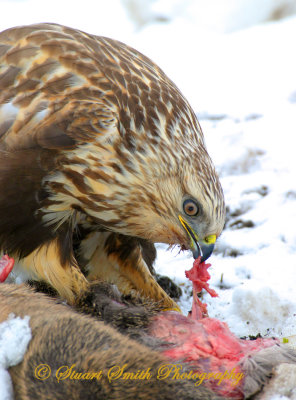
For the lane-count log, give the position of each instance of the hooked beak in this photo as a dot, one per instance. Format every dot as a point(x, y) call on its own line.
point(202, 248)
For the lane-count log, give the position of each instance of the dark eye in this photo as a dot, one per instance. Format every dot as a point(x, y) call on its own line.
point(190, 208)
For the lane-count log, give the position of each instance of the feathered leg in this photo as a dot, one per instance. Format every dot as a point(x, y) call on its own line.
point(119, 259)
point(45, 264)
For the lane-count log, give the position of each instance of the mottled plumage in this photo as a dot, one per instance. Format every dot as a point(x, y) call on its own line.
point(100, 156)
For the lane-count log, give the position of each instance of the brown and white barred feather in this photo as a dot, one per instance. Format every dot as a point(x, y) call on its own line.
point(93, 136)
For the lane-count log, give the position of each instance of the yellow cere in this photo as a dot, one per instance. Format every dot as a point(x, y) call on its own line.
point(210, 239)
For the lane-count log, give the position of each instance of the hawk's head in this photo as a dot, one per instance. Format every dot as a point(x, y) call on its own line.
point(161, 186)
point(178, 201)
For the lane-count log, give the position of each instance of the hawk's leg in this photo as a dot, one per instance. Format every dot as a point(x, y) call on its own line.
point(46, 264)
point(118, 259)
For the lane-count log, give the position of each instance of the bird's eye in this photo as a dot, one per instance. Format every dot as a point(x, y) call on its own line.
point(190, 208)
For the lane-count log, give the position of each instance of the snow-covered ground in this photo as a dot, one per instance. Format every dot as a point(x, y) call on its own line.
point(243, 87)
point(15, 335)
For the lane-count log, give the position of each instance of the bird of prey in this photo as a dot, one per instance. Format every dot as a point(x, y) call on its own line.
point(101, 156)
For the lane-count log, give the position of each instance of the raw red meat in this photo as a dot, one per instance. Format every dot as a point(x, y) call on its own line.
point(199, 277)
point(212, 350)
point(209, 347)
point(6, 265)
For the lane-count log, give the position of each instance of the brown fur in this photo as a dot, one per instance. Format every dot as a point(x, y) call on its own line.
point(61, 336)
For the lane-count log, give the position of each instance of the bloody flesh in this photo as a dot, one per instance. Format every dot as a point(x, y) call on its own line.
point(199, 277)
point(206, 344)
point(6, 265)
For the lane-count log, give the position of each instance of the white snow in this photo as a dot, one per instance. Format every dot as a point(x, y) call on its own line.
point(15, 335)
point(279, 397)
point(242, 85)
